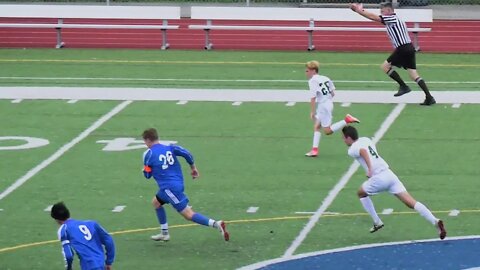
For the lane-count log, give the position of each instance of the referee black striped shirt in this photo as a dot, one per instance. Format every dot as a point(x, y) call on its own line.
point(396, 30)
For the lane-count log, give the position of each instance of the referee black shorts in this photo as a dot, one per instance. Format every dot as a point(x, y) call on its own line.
point(403, 57)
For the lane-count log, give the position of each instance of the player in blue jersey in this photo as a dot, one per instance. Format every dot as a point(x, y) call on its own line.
point(86, 238)
point(160, 162)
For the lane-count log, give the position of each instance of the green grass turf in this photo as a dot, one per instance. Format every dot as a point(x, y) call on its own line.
point(25, 67)
point(250, 155)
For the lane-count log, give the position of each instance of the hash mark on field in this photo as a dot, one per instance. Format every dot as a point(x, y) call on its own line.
point(182, 102)
point(118, 208)
point(49, 208)
point(18, 100)
point(237, 103)
point(346, 104)
point(72, 101)
point(252, 209)
point(290, 103)
point(454, 213)
point(456, 105)
point(387, 211)
point(332, 194)
point(20, 181)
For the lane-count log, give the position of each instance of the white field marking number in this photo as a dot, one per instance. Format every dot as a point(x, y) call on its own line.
point(86, 232)
point(28, 142)
point(167, 160)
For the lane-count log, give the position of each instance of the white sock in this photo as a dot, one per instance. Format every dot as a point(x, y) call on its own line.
point(212, 223)
point(368, 206)
point(164, 226)
point(338, 125)
point(316, 139)
point(424, 212)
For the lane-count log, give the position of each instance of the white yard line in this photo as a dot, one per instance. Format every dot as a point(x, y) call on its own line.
point(332, 194)
point(63, 149)
point(207, 80)
point(228, 95)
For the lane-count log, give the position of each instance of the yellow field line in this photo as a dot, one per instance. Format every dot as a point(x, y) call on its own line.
point(116, 61)
point(230, 222)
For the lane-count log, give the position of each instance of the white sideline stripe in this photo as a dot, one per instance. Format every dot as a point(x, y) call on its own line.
point(118, 208)
point(209, 80)
point(341, 184)
point(259, 265)
point(387, 211)
point(182, 102)
point(252, 209)
point(63, 149)
point(18, 100)
point(237, 103)
point(456, 105)
point(48, 208)
point(304, 213)
point(454, 213)
point(228, 95)
point(72, 101)
point(346, 104)
point(290, 104)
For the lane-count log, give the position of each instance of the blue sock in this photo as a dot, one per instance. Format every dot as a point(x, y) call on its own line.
point(161, 215)
point(201, 219)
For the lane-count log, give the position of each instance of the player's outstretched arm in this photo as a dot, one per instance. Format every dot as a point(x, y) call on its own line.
point(358, 8)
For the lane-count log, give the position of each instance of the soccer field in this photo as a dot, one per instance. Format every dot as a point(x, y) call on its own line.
point(250, 155)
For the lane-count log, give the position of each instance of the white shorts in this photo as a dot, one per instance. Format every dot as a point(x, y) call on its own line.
point(384, 181)
point(324, 113)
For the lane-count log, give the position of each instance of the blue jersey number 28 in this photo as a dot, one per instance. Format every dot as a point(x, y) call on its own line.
point(167, 159)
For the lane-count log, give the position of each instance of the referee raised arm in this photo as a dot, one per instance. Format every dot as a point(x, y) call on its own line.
point(404, 54)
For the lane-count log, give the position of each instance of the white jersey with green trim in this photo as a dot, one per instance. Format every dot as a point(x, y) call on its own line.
point(377, 162)
point(321, 88)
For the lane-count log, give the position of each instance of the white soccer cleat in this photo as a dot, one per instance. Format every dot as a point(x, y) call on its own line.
point(312, 153)
point(160, 237)
point(376, 227)
point(223, 230)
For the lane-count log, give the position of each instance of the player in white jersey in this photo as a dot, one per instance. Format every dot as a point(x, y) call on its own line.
point(381, 179)
point(322, 91)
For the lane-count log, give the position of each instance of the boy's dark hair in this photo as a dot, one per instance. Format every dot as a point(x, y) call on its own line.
point(350, 131)
point(60, 211)
point(386, 4)
point(150, 134)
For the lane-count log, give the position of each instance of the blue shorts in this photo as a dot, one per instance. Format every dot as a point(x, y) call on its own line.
point(176, 198)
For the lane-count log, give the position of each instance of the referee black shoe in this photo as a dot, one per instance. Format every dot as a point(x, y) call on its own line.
point(402, 90)
point(428, 101)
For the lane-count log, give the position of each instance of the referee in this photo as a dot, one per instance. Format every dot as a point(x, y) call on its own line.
point(404, 54)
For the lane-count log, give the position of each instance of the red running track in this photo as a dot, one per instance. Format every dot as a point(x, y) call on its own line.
point(446, 36)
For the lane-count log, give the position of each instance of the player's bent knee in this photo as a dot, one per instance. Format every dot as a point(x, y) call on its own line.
point(327, 131)
point(361, 193)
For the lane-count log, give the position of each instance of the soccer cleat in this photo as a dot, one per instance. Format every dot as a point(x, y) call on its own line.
point(402, 90)
point(441, 229)
point(312, 153)
point(428, 101)
point(161, 237)
point(376, 227)
point(351, 119)
point(223, 230)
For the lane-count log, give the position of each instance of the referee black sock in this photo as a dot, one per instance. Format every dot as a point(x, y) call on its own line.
point(423, 85)
point(394, 75)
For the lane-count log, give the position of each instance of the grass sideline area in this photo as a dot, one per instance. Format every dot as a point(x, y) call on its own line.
point(224, 69)
point(249, 155)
